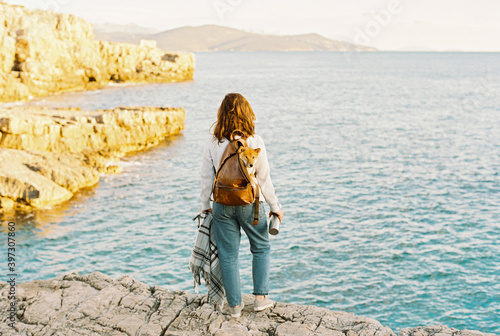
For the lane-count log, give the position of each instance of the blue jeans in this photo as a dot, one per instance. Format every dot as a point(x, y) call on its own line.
point(227, 221)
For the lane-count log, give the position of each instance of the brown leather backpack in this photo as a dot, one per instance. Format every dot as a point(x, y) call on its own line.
point(232, 183)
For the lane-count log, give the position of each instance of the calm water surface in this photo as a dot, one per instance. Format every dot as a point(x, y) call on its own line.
point(387, 165)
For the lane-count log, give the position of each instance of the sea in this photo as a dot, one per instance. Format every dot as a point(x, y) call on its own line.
point(387, 166)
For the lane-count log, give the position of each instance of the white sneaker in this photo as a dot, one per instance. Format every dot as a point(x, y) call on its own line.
point(259, 305)
point(236, 311)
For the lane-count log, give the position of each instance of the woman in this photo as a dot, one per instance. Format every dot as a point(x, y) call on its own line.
point(235, 113)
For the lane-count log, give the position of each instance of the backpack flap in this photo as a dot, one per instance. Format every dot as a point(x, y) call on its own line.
point(232, 183)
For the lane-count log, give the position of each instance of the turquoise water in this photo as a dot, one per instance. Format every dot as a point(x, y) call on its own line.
point(387, 166)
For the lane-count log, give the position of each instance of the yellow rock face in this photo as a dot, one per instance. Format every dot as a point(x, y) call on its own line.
point(42, 52)
point(48, 154)
point(40, 180)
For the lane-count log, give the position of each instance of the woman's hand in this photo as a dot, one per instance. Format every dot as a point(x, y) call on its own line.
point(207, 210)
point(280, 214)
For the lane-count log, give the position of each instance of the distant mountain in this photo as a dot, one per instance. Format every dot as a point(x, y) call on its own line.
point(130, 28)
point(130, 33)
point(217, 38)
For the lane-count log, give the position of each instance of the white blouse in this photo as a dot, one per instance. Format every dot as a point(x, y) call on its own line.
point(211, 158)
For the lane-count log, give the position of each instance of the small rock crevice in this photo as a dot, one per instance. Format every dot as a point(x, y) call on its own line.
point(154, 309)
point(170, 323)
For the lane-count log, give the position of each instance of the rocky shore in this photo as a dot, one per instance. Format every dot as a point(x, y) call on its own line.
point(48, 154)
point(42, 52)
point(95, 304)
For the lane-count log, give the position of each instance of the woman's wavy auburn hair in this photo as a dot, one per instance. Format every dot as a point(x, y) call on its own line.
point(234, 113)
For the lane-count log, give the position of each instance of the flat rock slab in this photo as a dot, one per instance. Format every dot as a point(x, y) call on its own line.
point(95, 304)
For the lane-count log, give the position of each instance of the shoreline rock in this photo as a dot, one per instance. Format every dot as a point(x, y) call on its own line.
point(49, 154)
point(42, 52)
point(95, 304)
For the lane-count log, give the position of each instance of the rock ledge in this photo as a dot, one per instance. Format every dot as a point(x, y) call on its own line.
point(49, 154)
point(95, 304)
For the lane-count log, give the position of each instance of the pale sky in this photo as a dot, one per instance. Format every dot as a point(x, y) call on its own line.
point(467, 25)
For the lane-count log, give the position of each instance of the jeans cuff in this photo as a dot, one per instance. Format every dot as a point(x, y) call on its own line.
point(260, 293)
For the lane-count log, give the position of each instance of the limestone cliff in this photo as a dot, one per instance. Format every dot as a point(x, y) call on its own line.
point(42, 52)
point(46, 155)
point(94, 304)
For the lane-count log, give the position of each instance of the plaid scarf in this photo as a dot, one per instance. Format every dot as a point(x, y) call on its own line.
point(205, 261)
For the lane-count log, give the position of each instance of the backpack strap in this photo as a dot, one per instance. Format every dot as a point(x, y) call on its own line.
point(242, 142)
point(256, 208)
point(234, 151)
